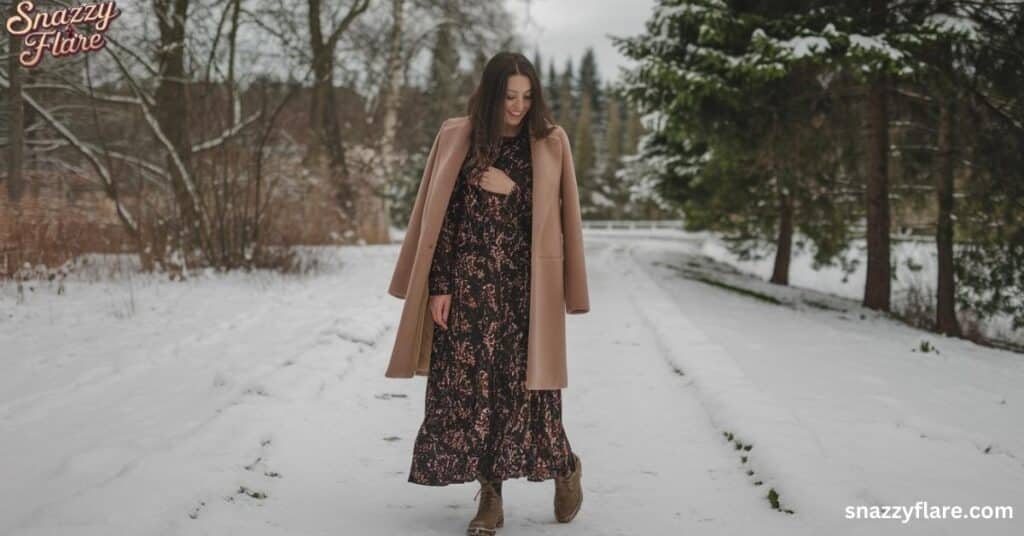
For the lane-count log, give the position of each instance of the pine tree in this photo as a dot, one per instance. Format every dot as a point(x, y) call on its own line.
point(590, 82)
point(602, 193)
point(644, 171)
point(566, 99)
point(583, 155)
point(631, 136)
point(990, 214)
point(763, 108)
point(551, 92)
point(739, 88)
point(443, 87)
point(933, 58)
point(614, 188)
point(877, 285)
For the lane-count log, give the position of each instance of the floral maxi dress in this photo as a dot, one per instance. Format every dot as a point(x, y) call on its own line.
point(480, 419)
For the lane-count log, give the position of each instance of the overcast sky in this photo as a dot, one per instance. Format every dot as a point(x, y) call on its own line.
point(561, 29)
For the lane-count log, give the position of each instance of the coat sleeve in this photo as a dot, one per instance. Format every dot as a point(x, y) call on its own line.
point(403, 268)
point(440, 280)
point(577, 299)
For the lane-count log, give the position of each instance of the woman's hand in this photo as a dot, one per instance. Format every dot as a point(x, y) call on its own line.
point(439, 307)
point(495, 180)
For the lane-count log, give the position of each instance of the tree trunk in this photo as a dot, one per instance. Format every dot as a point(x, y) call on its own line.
point(784, 242)
point(323, 114)
point(945, 307)
point(374, 214)
point(877, 284)
point(16, 129)
point(172, 113)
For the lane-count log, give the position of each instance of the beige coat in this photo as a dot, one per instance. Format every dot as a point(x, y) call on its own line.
point(558, 278)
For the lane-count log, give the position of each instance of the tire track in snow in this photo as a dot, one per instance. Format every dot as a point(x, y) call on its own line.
point(654, 462)
point(735, 404)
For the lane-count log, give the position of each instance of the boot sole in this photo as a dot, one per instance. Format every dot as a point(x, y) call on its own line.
point(480, 531)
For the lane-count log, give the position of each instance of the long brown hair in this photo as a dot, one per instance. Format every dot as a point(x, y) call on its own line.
point(486, 107)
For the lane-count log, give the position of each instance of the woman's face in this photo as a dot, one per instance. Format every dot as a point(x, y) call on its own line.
point(518, 97)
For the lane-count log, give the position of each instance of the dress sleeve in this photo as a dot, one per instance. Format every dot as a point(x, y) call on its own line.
point(440, 280)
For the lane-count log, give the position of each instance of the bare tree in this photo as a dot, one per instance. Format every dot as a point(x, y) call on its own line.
point(323, 112)
point(16, 126)
point(377, 208)
point(185, 126)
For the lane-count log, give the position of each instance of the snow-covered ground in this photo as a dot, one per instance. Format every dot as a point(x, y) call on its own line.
point(256, 404)
point(914, 278)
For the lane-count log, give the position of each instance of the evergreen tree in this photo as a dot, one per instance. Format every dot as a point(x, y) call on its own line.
point(584, 158)
point(990, 214)
point(645, 171)
point(877, 285)
point(613, 187)
point(762, 130)
point(936, 56)
point(633, 127)
point(602, 193)
point(552, 92)
point(443, 84)
point(931, 150)
point(742, 108)
point(470, 80)
point(566, 99)
point(590, 82)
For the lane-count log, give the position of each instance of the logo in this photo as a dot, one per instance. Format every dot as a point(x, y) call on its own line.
point(55, 32)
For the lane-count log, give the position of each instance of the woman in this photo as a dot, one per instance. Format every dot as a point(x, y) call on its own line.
point(488, 414)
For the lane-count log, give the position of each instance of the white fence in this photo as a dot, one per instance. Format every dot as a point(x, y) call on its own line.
point(633, 224)
point(903, 233)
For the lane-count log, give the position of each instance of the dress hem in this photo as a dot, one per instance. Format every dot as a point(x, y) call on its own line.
point(466, 480)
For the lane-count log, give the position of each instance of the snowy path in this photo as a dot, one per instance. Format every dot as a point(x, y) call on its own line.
point(842, 406)
point(257, 405)
point(652, 462)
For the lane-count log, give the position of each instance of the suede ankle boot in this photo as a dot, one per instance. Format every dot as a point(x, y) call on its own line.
point(489, 514)
point(569, 493)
